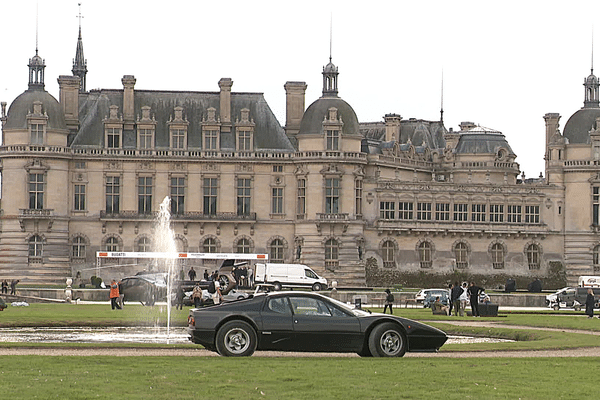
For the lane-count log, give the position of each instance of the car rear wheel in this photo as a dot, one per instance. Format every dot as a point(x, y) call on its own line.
point(316, 287)
point(577, 308)
point(387, 340)
point(236, 339)
point(556, 307)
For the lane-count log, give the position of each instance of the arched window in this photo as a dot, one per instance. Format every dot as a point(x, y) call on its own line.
point(461, 255)
point(276, 255)
point(388, 253)
point(425, 255)
point(35, 247)
point(112, 244)
point(243, 246)
point(143, 245)
point(209, 245)
point(596, 258)
point(78, 247)
point(331, 254)
point(497, 256)
point(533, 256)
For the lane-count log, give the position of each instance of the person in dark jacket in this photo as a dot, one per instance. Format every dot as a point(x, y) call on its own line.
point(192, 274)
point(455, 298)
point(589, 303)
point(473, 292)
point(389, 301)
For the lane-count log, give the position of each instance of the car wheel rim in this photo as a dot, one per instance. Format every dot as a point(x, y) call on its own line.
point(237, 341)
point(391, 342)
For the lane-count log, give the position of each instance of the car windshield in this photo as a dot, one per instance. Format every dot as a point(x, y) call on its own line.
point(346, 307)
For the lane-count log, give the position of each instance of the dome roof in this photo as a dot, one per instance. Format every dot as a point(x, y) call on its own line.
point(312, 121)
point(578, 127)
point(480, 140)
point(23, 105)
point(330, 67)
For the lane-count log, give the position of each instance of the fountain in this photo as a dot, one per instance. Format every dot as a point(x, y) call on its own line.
point(164, 242)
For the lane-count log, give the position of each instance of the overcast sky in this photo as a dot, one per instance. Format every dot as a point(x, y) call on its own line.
point(504, 64)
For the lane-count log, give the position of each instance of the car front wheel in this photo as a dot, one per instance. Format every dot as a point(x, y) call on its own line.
point(236, 339)
point(387, 340)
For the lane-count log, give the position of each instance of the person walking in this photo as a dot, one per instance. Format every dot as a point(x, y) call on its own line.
point(114, 295)
point(589, 303)
point(192, 274)
point(455, 297)
point(389, 301)
point(473, 292)
point(179, 297)
point(13, 286)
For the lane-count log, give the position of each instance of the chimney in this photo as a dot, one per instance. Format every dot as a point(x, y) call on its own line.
point(392, 127)
point(225, 103)
point(552, 120)
point(294, 106)
point(69, 100)
point(128, 102)
point(466, 125)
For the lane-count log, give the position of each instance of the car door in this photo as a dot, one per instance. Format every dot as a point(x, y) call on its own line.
point(320, 326)
point(277, 329)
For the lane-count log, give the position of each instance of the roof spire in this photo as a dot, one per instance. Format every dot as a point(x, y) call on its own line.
point(36, 63)
point(330, 71)
point(442, 99)
point(80, 63)
point(330, 34)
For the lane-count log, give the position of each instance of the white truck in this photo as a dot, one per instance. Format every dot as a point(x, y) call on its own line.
point(589, 281)
point(288, 275)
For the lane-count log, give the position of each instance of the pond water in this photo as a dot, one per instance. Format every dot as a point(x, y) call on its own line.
point(137, 335)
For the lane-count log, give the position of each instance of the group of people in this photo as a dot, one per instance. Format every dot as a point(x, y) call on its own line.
point(242, 275)
point(200, 296)
point(13, 286)
point(459, 295)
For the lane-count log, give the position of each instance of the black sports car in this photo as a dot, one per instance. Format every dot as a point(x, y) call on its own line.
point(303, 321)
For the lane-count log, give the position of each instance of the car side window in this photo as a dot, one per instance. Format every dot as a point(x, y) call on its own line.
point(279, 305)
point(308, 306)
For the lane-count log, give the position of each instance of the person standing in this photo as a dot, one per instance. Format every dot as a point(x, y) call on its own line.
point(114, 295)
point(197, 296)
point(455, 297)
point(589, 303)
point(473, 292)
point(206, 275)
point(192, 274)
point(450, 302)
point(179, 297)
point(464, 297)
point(13, 286)
point(389, 301)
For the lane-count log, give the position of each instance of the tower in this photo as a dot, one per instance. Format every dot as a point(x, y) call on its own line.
point(80, 63)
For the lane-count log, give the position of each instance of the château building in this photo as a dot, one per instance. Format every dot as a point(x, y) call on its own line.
point(87, 171)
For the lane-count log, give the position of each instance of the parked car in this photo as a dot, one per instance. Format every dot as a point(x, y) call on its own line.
point(146, 288)
point(306, 321)
point(443, 294)
point(575, 298)
point(423, 293)
point(552, 299)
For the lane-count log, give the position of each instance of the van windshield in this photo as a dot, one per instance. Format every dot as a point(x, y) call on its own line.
point(310, 274)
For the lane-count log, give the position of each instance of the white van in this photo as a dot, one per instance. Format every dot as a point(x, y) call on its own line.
point(288, 275)
point(589, 281)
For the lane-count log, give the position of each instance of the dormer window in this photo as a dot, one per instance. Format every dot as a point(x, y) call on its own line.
point(113, 138)
point(37, 121)
point(178, 130)
point(146, 138)
point(245, 130)
point(333, 139)
point(211, 139)
point(332, 129)
point(113, 128)
point(145, 128)
point(37, 133)
point(210, 130)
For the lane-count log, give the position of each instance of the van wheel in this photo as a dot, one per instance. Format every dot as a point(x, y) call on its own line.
point(277, 286)
point(316, 287)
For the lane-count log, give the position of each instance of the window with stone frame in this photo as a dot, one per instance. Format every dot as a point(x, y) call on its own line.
point(177, 195)
point(423, 211)
point(35, 248)
point(79, 197)
point(533, 256)
point(144, 245)
point(596, 258)
point(211, 139)
point(425, 255)
point(244, 140)
point(496, 212)
point(332, 195)
point(358, 192)
point(277, 200)
point(532, 214)
point(461, 212)
point(478, 212)
point(78, 247)
point(332, 139)
point(514, 213)
point(276, 251)
point(387, 210)
point(497, 252)
point(113, 194)
point(36, 191)
point(596, 205)
point(178, 138)
point(209, 199)
point(209, 245)
point(461, 255)
point(301, 198)
point(244, 192)
point(388, 254)
point(113, 138)
point(442, 211)
point(331, 254)
point(145, 138)
point(405, 210)
point(145, 195)
point(243, 246)
point(37, 133)
point(112, 244)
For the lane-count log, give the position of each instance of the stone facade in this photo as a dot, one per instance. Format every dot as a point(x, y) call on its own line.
point(88, 173)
